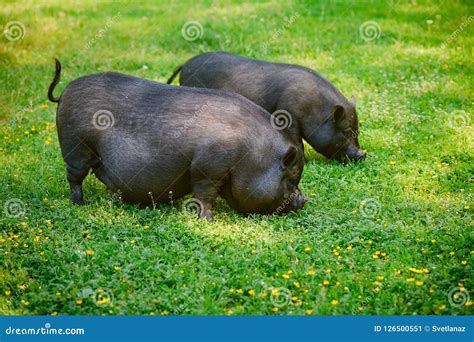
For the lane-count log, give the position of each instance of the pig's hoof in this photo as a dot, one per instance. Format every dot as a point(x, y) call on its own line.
point(77, 201)
point(207, 214)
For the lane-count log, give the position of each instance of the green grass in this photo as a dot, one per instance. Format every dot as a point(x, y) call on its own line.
point(349, 251)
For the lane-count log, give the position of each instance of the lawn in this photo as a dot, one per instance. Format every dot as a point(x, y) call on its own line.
point(390, 235)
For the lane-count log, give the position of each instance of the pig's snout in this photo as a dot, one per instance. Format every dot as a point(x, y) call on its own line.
point(359, 155)
point(299, 201)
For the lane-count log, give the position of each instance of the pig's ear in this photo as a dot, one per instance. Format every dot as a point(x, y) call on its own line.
point(338, 114)
point(290, 160)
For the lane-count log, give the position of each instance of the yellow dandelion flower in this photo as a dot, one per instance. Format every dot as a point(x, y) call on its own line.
point(240, 291)
point(164, 313)
point(338, 283)
point(22, 287)
point(103, 301)
point(117, 268)
point(307, 249)
point(375, 256)
point(419, 283)
point(230, 312)
point(334, 302)
point(410, 280)
point(146, 227)
point(380, 278)
point(452, 253)
point(58, 294)
point(251, 292)
point(442, 307)
point(346, 288)
point(294, 298)
point(466, 207)
point(297, 284)
point(90, 252)
point(325, 282)
point(360, 308)
point(25, 302)
point(275, 309)
point(383, 254)
point(264, 294)
point(414, 270)
point(370, 242)
point(43, 106)
point(469, 303)
point(376, 283)
point(464, 262)
point(311, 272)
point(275, 292)
point(79, 301)
point(309, 312)
point(132, 242)
point(392, 162)
point(433, 241)
point(8, 293)
point(349, 248)
point(232, 290)
point(286, 276)
point(54, 313)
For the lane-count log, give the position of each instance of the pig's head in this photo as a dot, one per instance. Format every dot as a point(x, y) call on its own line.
point(336, 137)
point(267, 189)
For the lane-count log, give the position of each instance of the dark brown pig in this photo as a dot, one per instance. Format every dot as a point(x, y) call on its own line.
point(152, 141)
point(313, 108)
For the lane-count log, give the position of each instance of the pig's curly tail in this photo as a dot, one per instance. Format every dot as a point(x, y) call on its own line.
point(175, 72)
point(57, 77)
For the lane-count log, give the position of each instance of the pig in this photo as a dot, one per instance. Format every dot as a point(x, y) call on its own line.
point(154, 143)
point(317, 111)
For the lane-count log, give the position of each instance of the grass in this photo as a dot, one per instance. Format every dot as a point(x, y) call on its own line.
point(390, 235)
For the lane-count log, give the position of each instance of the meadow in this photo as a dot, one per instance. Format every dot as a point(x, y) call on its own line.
point(392, 235)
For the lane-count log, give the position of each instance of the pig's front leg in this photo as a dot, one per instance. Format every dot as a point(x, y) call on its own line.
point(206, 192)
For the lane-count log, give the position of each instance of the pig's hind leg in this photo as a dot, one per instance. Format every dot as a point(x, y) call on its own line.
point(76, 172)
point(78, 164)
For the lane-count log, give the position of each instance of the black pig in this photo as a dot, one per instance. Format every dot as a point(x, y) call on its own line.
point(152, 141)
point(318, 112)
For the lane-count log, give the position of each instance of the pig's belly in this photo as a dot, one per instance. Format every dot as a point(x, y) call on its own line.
point(144, 177)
